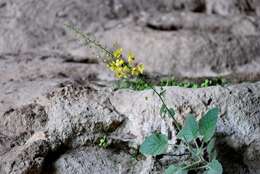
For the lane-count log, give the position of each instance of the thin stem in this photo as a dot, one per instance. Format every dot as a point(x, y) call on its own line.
point(197, 146)
point(201, 167)
point(88, 40)
point(177, 127)
point(202, 149)
point(192, 165)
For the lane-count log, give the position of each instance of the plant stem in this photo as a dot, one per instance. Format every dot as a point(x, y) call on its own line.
point(192, 165)
point(197, 168)
point(88, 40)
point(176, 125)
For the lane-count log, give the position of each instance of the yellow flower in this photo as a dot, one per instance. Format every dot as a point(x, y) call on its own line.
point(123, 69)
point(112, 66)
point(136, 71)
point(118, 53)
point(140, 68)
point(120, 73)
point(119, 62)
point(130, 57)
point(126, 69)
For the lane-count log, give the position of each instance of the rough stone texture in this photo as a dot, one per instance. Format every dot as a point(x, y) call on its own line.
point(93, 160)
point(28, 158)
point(72, 115)
point(237, 129)
point(56, 98)
point(237, 25)
point(31, 24)
point(233, 7)
point(28, 77)
point(188, 53)
point(79, 115)
point(18, 125)
point(222, 45)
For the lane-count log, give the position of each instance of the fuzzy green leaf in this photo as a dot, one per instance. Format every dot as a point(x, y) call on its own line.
point(211, 145)
point(214, 167)
point(213, 155)
point(190, 129)
point(208, 123)
point(172, 169)
point(155, 144)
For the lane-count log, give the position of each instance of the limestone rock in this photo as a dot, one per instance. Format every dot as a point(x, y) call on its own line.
point(93, 160)
point(189, 53)
point(57, 100)
point(232, 7)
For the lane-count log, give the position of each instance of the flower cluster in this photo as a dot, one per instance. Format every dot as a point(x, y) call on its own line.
point(123, 68)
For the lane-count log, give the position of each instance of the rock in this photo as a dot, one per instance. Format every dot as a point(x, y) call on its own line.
point(95, 160)
point(232, 7)
point(237, 25)
point(78, 116)
point(29, 25)
point(237, 126)
point(28, 119)
point(29, 77)
point(191, 54)
point(57, 100)
point(25, 159)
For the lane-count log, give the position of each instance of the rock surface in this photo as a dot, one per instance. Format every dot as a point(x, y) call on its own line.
point(92, 160)
point(78, 116)
point(57, 99)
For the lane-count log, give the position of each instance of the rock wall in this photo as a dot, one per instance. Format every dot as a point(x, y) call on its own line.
point(57, 99)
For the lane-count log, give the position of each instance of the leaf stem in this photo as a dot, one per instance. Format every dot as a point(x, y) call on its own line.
point(192, 165)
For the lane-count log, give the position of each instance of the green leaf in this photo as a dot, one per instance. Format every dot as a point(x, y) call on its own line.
point(208, 123)
point(190, 129)
point(172, 169)
point(155, 144)
point(213, 155)
point(211, 145)
point(171, 112)
point(214, 167)
point(163, 110)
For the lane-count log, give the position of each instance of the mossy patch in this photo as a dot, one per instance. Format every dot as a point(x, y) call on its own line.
point(139, 85)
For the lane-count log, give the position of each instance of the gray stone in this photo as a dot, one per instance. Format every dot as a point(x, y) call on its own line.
point(237, 126)
point(189, 53)
point(18, 125)
point(29, 24)
point(29, 77)
point(26, 159)
point(99, 161)
point(237, 25)
point(232, 7)
point(57, 99)
point(78, 116)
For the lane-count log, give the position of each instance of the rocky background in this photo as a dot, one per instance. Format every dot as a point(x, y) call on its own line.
point(57, 98)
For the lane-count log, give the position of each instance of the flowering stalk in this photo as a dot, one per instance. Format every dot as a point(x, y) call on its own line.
point(123, 69)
